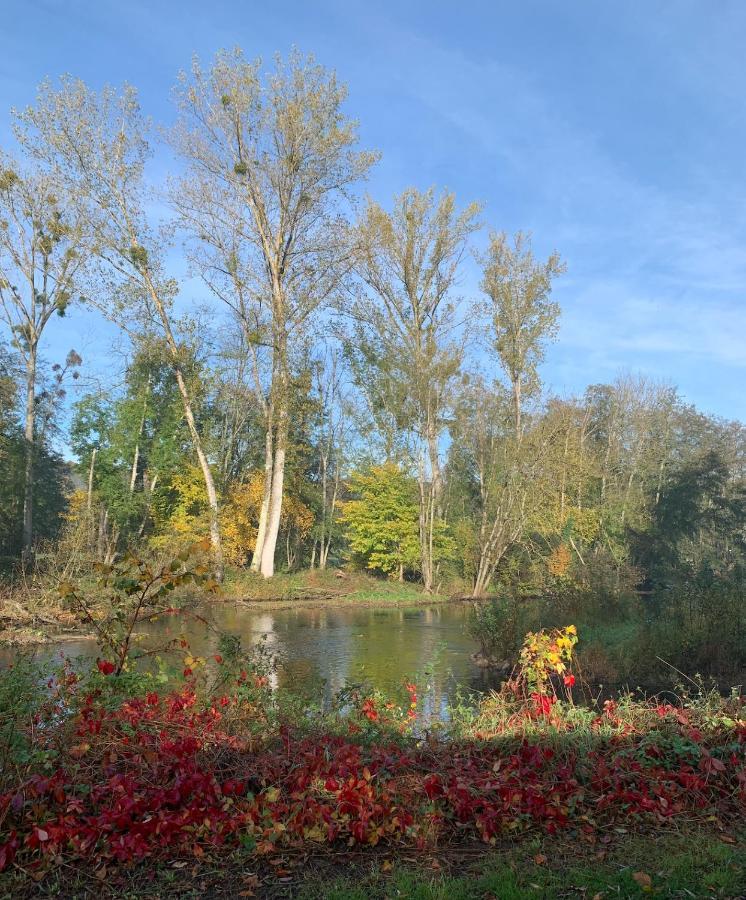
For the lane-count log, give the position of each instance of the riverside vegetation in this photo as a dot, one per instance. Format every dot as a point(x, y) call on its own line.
point(205, 766)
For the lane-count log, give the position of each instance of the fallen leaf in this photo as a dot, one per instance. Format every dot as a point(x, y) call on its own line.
point(79, 750)
point(644, 880)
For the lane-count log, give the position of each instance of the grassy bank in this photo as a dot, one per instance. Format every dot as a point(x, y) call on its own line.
point(34, 613)
point(327, 587)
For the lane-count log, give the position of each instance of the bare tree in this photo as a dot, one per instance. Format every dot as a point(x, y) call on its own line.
point(269, 160)
point(41, 256)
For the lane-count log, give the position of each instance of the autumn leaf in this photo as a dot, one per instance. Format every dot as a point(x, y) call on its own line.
point(79, 750)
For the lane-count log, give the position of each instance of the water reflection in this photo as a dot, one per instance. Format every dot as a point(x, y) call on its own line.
point(329, 648)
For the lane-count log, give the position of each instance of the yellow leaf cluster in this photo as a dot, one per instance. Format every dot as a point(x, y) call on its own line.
point(239, 518)
point(559, 561)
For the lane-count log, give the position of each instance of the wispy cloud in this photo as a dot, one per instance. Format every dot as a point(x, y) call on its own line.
point(657, 273)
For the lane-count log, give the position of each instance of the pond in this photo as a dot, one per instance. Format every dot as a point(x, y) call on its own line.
point(331, 647)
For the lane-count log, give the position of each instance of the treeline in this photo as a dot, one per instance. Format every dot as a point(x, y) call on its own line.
point(332, 396)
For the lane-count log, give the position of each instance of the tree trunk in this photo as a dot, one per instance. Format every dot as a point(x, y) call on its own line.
point(256, 560)
point(426, 559)
point(517, 406)
point(133, 473)
point(29, 446)
point(275, 504)
point(148, 488)
point(91, 468)
point(322, 538)
point(325, 547)
point(212, 494)
point(136, 455)
point(103, 518)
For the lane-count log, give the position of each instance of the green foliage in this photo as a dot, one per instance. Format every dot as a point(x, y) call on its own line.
point(20, 700)
point(52, 475)
point(498, 625)
point(382, 524)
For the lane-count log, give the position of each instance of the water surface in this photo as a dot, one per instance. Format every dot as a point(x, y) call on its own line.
point(329, 648)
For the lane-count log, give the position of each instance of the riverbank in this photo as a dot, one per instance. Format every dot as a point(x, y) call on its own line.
point(36, 614)
point(215, 775)
point(329, 588)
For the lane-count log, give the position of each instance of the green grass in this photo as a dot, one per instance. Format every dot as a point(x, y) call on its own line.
point(690, 864)
point(677, 865)
point(321, 587)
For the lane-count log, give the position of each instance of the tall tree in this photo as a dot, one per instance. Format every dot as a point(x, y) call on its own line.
point(408, 327)
point(329, 435)
point(41, 256)
point(269, 160)
point(96, 145)
point(518, 289)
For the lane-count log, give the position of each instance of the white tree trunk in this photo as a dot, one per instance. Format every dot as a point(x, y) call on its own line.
point(256, 560)
point(275, 504)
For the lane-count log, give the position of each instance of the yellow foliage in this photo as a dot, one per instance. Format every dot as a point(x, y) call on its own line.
point(239, 518)
point(76, 506)
point(188, 520)
point(559, 561)
point(585, 523)
point(239, 514)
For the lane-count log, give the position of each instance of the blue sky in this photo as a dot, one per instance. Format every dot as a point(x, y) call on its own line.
point(615, 132)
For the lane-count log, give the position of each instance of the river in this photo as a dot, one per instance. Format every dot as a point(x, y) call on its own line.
point(324, 649)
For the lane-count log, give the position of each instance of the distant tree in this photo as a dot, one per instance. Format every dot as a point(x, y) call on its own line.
point(518, 288)
point(41, 256)
point(129, 445)
point(508, 477)
point(330, 433)
point(699, 525)
point(407, 335)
